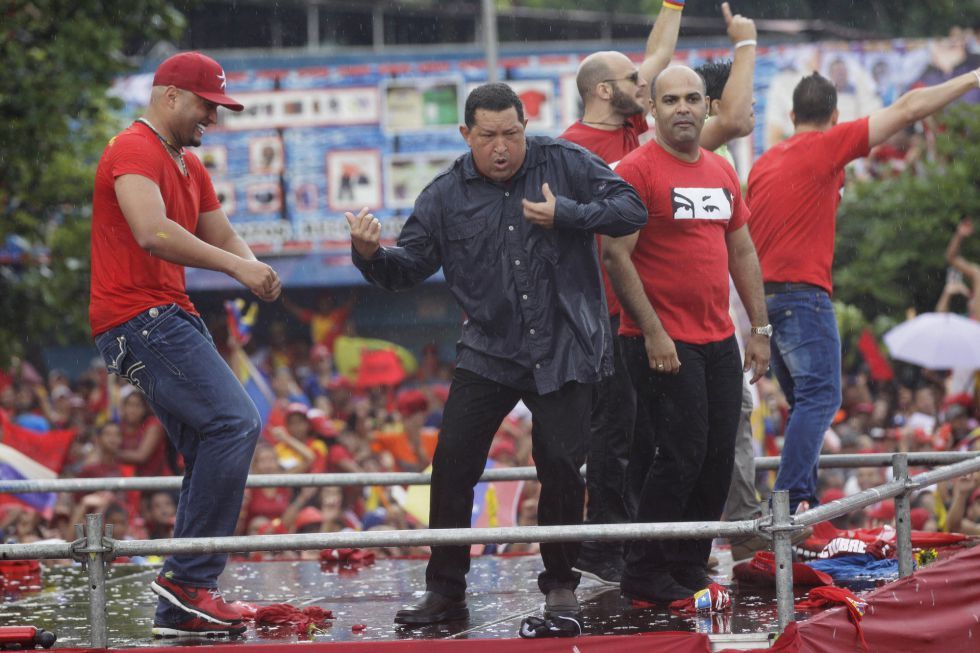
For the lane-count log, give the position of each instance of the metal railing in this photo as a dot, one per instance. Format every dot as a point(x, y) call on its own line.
point(152, 483)
point(95, 546)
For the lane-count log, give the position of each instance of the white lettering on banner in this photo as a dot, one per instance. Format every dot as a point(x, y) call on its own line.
point(275, 235)
point(304, 108)
point(701, 203)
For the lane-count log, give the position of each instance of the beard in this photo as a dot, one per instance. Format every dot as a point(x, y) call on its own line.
point(624, 104)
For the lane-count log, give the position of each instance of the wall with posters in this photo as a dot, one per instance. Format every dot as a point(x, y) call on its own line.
point(319, 138)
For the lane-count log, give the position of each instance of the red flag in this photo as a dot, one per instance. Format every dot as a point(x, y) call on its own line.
point(878, 365)
point(31, 455)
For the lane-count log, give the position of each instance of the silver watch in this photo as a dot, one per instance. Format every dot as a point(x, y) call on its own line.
point(762, 331)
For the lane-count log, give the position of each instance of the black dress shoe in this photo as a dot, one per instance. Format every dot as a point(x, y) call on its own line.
point(693, 576)
point(433, 608)
point(657, 587)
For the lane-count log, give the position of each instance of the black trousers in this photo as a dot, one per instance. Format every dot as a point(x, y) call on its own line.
point(613, 412)
point(560, 434)
point(689, 422)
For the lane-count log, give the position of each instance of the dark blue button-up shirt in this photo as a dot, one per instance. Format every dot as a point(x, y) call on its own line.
point(533, 297)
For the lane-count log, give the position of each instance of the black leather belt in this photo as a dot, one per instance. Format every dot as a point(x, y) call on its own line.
point(777, 287)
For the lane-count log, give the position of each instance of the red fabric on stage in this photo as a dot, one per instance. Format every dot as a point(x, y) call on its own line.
point(934, 611)
point(666, 642)
point(761, 569)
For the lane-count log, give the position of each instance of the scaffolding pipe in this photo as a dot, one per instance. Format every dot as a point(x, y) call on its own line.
point(95, 560)
point(783, 548)
point(368, 539)
point(903, 517)
point(151, 483)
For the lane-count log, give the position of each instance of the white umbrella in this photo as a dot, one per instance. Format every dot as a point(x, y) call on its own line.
point(938, 341)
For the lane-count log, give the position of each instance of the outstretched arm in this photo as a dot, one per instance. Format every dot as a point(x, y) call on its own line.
point(735, 116)
point(917, 104)
point(662, 40)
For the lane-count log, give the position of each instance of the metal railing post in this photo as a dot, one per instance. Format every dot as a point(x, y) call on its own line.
point(96, 563)
point(903, 518)
point(783, 547)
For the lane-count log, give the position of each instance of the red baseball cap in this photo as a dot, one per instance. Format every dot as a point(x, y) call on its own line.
point(199, 74)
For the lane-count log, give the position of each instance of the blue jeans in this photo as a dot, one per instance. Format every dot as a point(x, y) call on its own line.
point(169, 355)
point(806, 361)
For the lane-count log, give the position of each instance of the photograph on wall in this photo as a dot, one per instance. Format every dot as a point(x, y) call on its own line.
point(419, 104)
point(353, 179)
point(305, 197)
point(327, 106)
point(215, 159)
point(265, 155)
point(225, 190)
point(538, 98)
point(264, 197)
point(407, 174)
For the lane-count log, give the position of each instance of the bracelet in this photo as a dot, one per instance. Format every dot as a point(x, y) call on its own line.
point(752, 42)
point(677, 5)
point(977, 73)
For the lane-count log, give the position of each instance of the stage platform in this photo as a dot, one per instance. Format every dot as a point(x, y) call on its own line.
point(502, 591)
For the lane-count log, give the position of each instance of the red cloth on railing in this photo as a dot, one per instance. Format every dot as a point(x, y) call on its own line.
point(822, 597)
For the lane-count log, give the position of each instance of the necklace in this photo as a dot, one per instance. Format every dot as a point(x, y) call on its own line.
point(607, 124)
point(176, 152)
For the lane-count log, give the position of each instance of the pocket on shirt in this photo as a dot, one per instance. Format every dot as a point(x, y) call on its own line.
point(467, 242)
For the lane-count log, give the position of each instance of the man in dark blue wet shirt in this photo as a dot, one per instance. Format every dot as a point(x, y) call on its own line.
point(512, 225)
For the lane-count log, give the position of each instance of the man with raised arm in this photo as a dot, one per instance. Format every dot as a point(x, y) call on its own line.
point(794, 190)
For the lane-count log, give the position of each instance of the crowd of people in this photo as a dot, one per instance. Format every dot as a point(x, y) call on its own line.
point(598, 272)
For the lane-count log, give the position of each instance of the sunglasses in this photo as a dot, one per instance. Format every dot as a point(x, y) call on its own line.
point(633, 77)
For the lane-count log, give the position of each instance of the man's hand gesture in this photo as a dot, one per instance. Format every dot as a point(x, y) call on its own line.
point(740, 28)
point(365, 232)
point(541, 213)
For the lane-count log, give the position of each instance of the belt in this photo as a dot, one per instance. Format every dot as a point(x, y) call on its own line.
point(778, 287)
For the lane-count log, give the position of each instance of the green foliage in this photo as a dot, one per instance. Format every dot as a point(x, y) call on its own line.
point(892, 234)
point(59, 59)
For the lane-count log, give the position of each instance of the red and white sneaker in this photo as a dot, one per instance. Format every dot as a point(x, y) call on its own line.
point(202, 602)
point(197, 627)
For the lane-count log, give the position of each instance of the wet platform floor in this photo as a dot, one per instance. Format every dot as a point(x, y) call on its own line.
point(502, 591)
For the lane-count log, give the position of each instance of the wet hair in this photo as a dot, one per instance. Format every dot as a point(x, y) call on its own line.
point(491, 97)
point(715, 76)
point(814, 100)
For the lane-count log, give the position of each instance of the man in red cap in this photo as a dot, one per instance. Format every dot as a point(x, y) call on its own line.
point(154, 211)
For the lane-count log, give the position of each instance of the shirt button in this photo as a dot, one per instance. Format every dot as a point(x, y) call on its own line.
point(524, 297)
point(517, 262)
point(506, 194)
point(532, 332)
point(510, 227)
point(154, 312)
point(146, 333)
point(537, 366)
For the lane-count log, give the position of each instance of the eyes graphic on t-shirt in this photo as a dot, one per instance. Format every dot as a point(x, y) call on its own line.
point(701, 203)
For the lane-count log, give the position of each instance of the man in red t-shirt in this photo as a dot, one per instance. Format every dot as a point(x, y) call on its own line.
point(610, 127)
point(615, 97)
point(678, 338)
point(154, 211)
point(794, 190)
